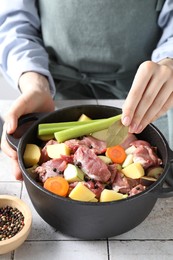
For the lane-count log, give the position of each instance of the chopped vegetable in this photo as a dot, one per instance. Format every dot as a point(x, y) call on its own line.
point(57, 185)
point(46, 137)
point(84, 117)
point(105, 159)
point(72, 173)
point(134, 171)
point(77, 183)
point(85, 129)
point(128, 160)
point(94, 200)
point(130, 149)
point(31, 155)
point(51, 128)
point(111, 195)
point(147, 181)
point(56, 150)
point(116, 153)
point(82, 193)
point(155, 172)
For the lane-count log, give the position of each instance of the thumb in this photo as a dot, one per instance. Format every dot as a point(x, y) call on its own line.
point(11, 118)
point(11, 122)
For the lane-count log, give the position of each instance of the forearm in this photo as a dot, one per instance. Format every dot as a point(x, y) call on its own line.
point(22, 49)
point(34, 82)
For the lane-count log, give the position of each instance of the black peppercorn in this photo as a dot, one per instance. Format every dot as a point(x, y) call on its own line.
point(11, 222)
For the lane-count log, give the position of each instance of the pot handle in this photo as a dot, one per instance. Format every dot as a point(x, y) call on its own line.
point(163, 192)
point(169, 177)
point(166, 192)
point(24, 123)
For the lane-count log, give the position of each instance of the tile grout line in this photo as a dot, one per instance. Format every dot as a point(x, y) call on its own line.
point(12, 255)
point(103, 240)
point(21, 190)
point(108, 249)
point(65, 240)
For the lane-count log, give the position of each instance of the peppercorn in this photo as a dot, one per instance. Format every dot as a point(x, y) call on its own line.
point(11, 222)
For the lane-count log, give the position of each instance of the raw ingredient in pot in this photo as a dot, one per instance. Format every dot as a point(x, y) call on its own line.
point(11, 222)
point(31, 155)
point(91, 171)
point(111, 195)
point(57, 185)
point(134, 171)
point(82, 193)
point(116, 153)
point(73, 129)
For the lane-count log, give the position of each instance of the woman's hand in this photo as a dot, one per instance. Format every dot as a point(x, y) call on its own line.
point(150, 96)
point(35, 97)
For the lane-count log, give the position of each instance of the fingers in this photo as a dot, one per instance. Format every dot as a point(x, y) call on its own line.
point(12, 154)
point(136, 92)
point(17, 109)
point(161, 111)
point(27, 103)
point(16, 170)
point(6, 148)
point(35, 97)
point(151, 96)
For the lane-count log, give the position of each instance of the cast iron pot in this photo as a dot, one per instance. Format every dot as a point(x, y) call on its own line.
point(89, 220)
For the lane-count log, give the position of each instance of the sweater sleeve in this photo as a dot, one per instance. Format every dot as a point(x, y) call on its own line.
point(164, 47)
point(21, 46)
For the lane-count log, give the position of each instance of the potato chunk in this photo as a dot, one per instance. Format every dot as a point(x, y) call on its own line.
point(56, 150)
point(111, 195)
point(31, 155)
point(134, 171)
point(82, 193)
point(84, 117)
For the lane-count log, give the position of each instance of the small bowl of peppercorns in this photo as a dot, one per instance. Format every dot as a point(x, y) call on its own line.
point(15, 223)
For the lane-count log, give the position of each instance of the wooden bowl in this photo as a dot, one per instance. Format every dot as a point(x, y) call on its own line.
point(14, 242)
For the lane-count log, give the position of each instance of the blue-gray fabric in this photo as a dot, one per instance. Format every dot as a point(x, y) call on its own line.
point(99, 44)
point(22, 48)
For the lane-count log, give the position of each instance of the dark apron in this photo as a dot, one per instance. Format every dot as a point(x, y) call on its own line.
point(96, 46)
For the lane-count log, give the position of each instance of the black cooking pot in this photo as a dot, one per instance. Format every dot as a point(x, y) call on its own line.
point(90, 220)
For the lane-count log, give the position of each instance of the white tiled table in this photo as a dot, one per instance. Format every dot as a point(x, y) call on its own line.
point(153, 239)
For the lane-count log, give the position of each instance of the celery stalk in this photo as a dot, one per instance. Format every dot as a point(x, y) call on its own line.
point(85, 129)
point(46, 137)
point(51, 128)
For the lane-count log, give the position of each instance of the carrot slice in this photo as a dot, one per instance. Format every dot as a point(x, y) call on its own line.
point(57, 185)
point(116, 153)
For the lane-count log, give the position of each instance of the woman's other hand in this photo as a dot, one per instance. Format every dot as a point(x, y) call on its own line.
point(150, 96)
point(35, 97)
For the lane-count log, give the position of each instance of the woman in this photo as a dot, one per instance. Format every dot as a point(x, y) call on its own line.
point(88, 49)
